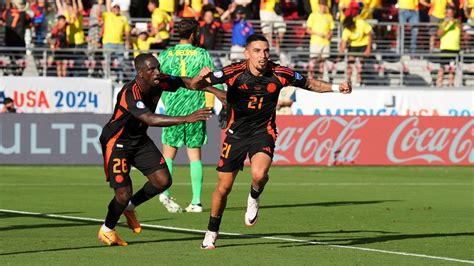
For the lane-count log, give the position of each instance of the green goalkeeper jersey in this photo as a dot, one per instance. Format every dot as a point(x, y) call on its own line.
point(183, 60)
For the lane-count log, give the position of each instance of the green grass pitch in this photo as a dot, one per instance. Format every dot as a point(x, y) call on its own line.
point(309, 215)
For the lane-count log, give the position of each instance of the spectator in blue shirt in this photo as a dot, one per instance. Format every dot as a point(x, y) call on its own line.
point(241, 30)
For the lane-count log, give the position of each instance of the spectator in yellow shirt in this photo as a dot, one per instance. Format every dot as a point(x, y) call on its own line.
point(449, 32)
point(160, 25)
point(357, 36)
point(169, 6)
point(437, 12)
point(408, 12)
point(319, 26)
point(116, 35)
point(72, 10)
point(142, 43)
point(271, 16)
point(468, 28)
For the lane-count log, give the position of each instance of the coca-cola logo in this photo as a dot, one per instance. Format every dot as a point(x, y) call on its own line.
point(313, 143)
point(410, 142)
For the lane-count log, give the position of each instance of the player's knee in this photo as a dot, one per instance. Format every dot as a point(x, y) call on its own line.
point(259, 174)
point(123, 196)
point(224, 189)
point(152, 190)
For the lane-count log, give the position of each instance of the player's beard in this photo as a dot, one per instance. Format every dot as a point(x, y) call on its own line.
point(261, 68)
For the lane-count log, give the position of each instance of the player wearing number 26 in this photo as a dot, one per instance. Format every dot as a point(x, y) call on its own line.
point(125, 143)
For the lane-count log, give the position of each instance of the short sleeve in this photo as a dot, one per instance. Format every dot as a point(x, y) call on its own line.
point(309, 22)
point(223, 75)
point(367, 28)
point(135, 104)
point(170, 83)
point(207, 60)
point(127, 26)
point(289, 77)
point(345, 35)
point(331, 21)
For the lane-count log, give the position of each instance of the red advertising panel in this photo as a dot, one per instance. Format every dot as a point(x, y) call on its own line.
point(374, 140)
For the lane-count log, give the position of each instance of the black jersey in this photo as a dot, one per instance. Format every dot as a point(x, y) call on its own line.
point(16, 23)
point(252, 100)
point(124, 127)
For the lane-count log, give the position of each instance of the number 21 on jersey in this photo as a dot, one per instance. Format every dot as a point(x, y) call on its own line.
point(255, 102)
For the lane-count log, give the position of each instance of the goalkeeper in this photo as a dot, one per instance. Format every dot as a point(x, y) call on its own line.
point(185, 59)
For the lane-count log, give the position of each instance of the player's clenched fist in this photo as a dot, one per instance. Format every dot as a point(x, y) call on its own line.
point(205, 71)
point(199, 115)
point(345, 87)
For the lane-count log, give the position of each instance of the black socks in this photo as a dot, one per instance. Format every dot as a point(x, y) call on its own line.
point(113, 215)
point(214, 224)
point(255, 193)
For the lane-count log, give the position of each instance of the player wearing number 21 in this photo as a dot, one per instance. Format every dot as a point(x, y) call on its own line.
point(252, 96)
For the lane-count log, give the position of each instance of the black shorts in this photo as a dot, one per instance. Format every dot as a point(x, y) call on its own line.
point(62, 55)
point(357, 51)
point(448, 57)
point(234, 151)
point(118, 159)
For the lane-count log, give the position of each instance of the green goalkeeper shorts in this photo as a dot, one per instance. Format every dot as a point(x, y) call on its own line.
point(193, 135)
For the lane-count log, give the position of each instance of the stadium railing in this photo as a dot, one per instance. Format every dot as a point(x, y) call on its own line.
point(391, 63)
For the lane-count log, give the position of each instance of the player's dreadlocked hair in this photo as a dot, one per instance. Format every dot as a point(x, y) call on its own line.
point(255, 38)
point(139, 61)
point(186, 27)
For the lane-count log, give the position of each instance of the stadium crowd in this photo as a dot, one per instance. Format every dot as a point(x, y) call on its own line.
point(141, 25)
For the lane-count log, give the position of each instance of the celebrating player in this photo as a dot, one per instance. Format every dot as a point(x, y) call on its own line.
point(125, 143)
point(252, 96)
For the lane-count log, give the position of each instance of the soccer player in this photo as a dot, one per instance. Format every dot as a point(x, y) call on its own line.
point(186, 60)
point(252, 95)
point(125, 143)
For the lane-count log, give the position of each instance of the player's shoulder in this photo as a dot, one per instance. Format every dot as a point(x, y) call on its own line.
point(200, 50)
point(236, 67)
point(279, 69)
point(129, 86)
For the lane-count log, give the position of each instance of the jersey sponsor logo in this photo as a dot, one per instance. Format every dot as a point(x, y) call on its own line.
point(140, 105)
point(218, 74)
point(298, 76)
point(271, 87)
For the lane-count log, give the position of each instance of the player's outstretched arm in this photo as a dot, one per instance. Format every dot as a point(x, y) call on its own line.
point(220, 94)
point(156, 120)
point(201, 81)
point(323, 86)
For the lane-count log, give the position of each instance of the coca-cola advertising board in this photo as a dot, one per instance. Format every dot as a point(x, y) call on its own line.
point(374, 140)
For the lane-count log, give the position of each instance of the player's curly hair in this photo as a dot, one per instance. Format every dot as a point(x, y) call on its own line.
point(186, 27)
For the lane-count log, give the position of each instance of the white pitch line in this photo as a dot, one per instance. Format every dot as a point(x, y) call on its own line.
point(247, 184)
point(178, 229)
